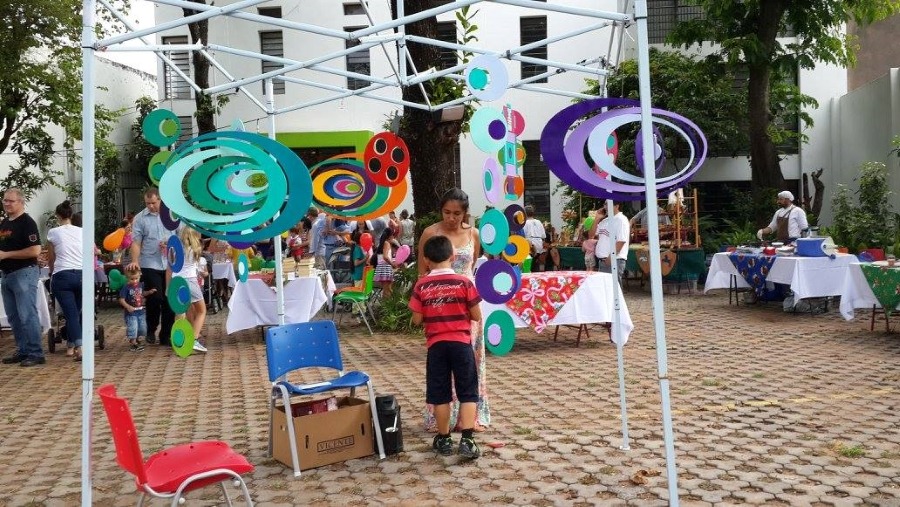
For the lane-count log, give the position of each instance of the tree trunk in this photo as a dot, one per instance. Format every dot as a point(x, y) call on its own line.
point(764, 162)
point(819, 198)
point(432, 144)
point(205, 113)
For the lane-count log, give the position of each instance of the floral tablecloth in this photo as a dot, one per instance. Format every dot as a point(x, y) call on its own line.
point(543, 294)
point(754, 268)
point(885, 284)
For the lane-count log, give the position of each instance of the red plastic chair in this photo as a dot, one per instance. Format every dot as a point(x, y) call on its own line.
point(171, 472)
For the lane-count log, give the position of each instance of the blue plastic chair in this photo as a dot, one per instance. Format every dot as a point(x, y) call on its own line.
point(309, 345)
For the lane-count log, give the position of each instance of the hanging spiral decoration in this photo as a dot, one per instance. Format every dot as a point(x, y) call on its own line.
point(563, 144)
point(342, 186)
point(236, 184)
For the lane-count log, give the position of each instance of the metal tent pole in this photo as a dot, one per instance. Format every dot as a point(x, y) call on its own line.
point(640, 14)
point(615, 331)
point(279, 268)
point(87, 245)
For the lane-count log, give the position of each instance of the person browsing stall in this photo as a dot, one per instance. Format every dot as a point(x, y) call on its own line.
point(447, 304)
point(20, 247)
point(788, 223)
point(534, 232)
point(618, 227)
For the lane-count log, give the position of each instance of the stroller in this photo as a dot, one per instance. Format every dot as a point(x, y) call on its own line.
point(341, 266)
point(57, 332)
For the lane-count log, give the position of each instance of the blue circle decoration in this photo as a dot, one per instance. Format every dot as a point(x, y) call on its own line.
point(243, 267)
point(493, 229)
point(175, 253)
point(497, 281)
point(499, 333)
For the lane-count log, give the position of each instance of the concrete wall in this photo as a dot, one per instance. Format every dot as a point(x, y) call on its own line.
point(867, 119)
point(878, 50)
point(118, 86)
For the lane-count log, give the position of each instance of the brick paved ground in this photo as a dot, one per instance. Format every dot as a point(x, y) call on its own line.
point(770, 409)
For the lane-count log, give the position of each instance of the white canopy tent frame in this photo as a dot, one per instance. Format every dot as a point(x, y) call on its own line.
point(368, 38)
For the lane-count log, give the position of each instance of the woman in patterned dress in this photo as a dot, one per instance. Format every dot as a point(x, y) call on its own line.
point(454, 208)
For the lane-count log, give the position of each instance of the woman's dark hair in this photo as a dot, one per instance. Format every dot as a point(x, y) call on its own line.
point(455, 194)
point(386, 235)
point(355, 235)
point(76, 219)
point(64, 210)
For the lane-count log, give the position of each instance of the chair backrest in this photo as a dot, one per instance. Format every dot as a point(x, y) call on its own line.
point(368, 280)
point(309, 344)
point(121, 425)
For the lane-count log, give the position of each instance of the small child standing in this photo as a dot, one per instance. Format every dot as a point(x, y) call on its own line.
point(448, 303)
point(131, 298)
point(589, 245)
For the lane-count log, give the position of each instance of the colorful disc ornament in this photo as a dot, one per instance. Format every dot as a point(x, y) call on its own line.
point(497, 281)
point(387, 159)
point(499, 333)
point(182, 338)
point(493, 181)
point(243, 267)
point(342, 187)
point(237, 183)
point(515, 215)
point(169, 221)
point(178, 294)
point(161, 128)
point(157, 166)
point(494, 231)
point(488, 129)
point(175, 253)
point(517, 250)
point(486, 77)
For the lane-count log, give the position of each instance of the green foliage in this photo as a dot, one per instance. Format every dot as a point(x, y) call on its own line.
point(737, 234)
point(40, 83)
point(872, 221)
point(393, 314)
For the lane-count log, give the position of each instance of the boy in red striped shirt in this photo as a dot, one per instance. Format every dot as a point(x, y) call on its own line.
point(447, 303)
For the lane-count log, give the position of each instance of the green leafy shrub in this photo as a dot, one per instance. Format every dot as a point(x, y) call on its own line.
point(872, 222)
point(393, 314)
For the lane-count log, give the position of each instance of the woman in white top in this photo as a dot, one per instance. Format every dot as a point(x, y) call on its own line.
point(196, 313)
point(64, 259)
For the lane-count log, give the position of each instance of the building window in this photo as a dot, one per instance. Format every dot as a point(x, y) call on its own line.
point(270, 12)
point(187, 128)
point(175, 86)
point(533, 29)
point(446, 32)
point(663, 15)
point(537, 179)
point(354, 9)
point(272, 44)
point(358, 62)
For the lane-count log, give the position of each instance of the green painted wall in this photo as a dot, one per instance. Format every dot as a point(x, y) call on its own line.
point(355, 138)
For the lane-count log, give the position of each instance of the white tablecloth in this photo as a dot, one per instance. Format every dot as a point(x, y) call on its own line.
point(856, 292)
point(592, 303)
point(809, 277)
point(224, 271)
point(43, 310)
point(255, 304)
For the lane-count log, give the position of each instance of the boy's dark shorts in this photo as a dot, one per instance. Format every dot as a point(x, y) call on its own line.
point(445, 358)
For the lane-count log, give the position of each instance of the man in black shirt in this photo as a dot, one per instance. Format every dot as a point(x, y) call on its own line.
point(20, 246)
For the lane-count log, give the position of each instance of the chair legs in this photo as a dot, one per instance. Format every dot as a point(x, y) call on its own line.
point(239, 481)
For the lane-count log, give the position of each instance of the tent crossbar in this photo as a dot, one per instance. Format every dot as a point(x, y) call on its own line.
point(556, 38)
point(175, 23)
point(224, 71)
point(400, 33)
point(562, 66)
point(290, 62)
point(290, 68)
point(117, 48)
point(552, 91)
point(247, 16)
point(422, 89)
point(340, 96)
point(364, 92)
point(542, 6)
point(160, 54)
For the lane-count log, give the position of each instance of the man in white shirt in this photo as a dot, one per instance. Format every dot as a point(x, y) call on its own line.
point(788, 223)
point(619, 228)
point(534, 232)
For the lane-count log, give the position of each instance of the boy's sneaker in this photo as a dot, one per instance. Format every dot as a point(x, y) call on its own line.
point(136, 346)
point(468, 448)
point(442, 445)
point(199, 347)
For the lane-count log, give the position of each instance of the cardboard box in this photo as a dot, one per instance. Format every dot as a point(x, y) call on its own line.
point(326, 437)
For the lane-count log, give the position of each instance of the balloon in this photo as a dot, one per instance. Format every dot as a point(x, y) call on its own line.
point(116, 280)
point(402, 254)
point(588, 224)
point(365, 241)
point(112, 242)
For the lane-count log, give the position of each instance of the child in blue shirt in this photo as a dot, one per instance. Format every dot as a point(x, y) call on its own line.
point(131, 298)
